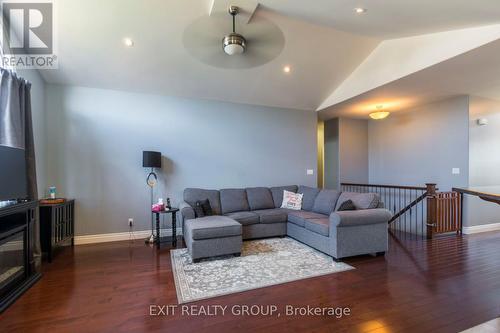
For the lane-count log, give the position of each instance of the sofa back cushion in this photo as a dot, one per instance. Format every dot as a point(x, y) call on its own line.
point(310, 194)
point(259, 198)
point(233, 200)
point(192, 195)
point(325, 201)
point(360, 200)
point(277, 193)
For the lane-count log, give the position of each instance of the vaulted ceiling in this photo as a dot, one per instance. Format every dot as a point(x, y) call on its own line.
point(324, 43)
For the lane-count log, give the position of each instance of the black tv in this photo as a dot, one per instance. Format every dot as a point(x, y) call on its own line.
point(13, 182)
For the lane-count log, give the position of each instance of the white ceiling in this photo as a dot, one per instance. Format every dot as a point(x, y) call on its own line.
point(324, 42)
point(91, 53)
point(397, 58)
point(476, 72)
point(392, 18)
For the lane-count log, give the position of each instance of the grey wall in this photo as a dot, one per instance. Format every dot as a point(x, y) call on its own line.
point(421, 145)
point(353, 150)
point(345, 152)
point(484, 161)
point(39, 125)
point(331, 166)
point(96, 138)
point(484, 143)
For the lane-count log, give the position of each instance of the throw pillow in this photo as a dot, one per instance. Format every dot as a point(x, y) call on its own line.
point(292, 200)
point(198, 210)
point(202, 208)
point(347, 205)
point(207, 209)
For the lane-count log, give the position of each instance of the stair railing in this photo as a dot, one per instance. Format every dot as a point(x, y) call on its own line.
point(408, 204)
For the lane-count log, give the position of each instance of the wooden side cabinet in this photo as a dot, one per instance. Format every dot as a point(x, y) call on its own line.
point(57, 226)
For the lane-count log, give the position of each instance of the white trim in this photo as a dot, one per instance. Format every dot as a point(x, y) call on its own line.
point(118, 236)
point(481, 228)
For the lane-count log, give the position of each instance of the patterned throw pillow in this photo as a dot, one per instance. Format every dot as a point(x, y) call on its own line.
point(198, 210)
point(347, 205)
point(207, 209)
point(202, 208)
point(292, 200)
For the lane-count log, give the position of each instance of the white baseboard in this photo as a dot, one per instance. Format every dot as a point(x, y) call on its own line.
point(118, 236)
point(142, 234)
point(481, 228)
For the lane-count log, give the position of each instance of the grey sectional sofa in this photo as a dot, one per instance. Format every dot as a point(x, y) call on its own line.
point(318, 224)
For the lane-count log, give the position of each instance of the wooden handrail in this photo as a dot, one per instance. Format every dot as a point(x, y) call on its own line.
point(387, 186)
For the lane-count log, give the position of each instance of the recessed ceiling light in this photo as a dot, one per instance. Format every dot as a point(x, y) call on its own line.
point(128, 42)
point(287, 69)
point(360, 10)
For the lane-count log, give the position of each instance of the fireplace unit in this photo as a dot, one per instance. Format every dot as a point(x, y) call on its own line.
point(17, 264)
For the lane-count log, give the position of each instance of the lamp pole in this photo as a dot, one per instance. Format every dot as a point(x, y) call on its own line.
point(151, 181)
point(151, 159)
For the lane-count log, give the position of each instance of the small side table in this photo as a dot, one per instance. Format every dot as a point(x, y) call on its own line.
point(57, 226)
point(159, 239)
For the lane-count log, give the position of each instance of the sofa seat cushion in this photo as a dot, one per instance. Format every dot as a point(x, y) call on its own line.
point(277, 193)
point(360, 200)
point(192, 195)
point(275, 215)
point(259, 198)
point(310, 194)
point(319, 226)
point(233, 200)
point(209, 227)
point(245, 218)
point(299, 217)
point(325, 201)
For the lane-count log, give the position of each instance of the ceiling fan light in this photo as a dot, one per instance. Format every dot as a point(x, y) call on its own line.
point(234, 44)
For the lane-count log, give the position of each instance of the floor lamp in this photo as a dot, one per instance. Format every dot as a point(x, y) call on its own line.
point(151, 159)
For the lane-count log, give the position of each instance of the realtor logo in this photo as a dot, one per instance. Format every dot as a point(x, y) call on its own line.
point(28, 34)
point(28, 27)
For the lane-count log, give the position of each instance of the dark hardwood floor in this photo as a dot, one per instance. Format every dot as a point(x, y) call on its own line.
point(444, 285)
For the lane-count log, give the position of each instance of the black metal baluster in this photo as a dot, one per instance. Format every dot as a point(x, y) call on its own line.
point(399, 203)
point(405, 206)
point(423, 218)
point(415, 215)
point(415, 230)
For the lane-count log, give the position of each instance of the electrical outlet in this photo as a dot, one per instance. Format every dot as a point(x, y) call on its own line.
point(455, 171)
point(130, 222)
point(310, 172)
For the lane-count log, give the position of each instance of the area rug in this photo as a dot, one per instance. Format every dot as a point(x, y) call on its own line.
point(262, 263)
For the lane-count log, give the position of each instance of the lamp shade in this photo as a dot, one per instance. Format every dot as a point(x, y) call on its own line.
point(151, 159)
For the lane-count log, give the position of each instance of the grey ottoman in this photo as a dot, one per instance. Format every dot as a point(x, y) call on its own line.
point(212, 236)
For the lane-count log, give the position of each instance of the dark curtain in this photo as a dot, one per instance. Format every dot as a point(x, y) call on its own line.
point(16, 130)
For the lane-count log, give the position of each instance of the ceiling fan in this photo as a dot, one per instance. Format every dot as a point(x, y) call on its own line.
point(256, 43)
point(234, 43)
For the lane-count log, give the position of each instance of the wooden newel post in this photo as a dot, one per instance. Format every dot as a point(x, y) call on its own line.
point(431, 209)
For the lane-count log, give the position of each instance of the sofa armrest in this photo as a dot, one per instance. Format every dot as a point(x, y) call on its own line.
point(187, 211)
point(352, 218)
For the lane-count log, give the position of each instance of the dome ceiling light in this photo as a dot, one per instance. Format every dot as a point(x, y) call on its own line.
point(234, 43)
point(379, 114)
